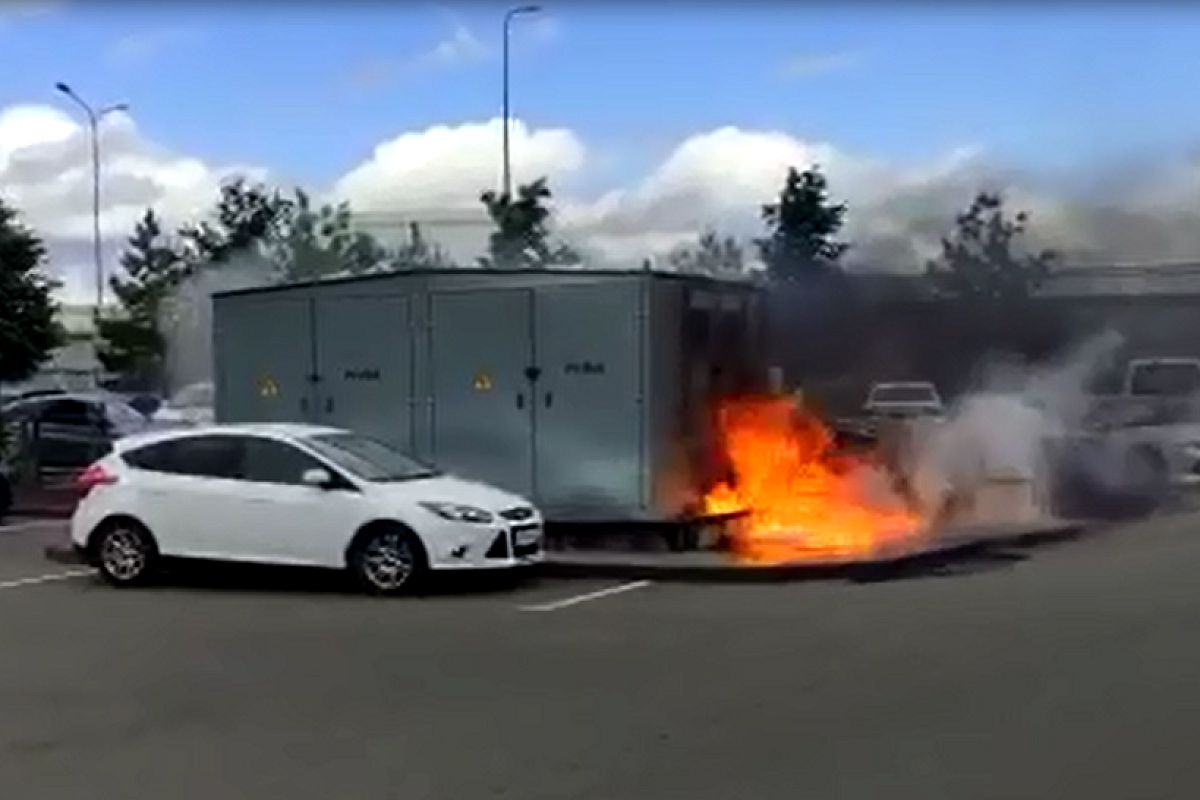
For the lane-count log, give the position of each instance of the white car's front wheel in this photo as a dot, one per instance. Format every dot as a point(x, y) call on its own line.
point(388, 560)
point(125, 553)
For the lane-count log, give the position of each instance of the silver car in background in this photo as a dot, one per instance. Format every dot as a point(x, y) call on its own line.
point(191, 405)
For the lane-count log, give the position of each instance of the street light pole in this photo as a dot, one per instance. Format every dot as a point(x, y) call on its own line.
point(94, 116)
point(506, 109)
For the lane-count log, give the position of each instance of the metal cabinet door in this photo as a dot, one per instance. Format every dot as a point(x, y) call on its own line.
point(589, 424)
point(364, 366)
point(480, 351)
point(264, 360)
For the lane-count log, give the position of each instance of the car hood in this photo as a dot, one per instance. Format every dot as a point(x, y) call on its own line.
point(448, 489)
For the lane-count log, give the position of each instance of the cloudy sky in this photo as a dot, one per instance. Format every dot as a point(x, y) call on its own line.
point(652, 122)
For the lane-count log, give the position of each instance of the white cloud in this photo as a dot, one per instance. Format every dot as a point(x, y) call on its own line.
point(137, 48)
point(714, 178)
point(16, 10)
point(461, 46)
point(45, 170)
point(808, 65)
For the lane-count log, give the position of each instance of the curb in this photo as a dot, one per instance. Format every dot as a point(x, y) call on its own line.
point(636, 566)
point(660, 569)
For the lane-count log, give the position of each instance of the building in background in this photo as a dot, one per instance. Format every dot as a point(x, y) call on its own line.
point(75, 365)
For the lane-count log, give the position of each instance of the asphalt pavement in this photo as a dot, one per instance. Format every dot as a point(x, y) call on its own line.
point(1071, 671)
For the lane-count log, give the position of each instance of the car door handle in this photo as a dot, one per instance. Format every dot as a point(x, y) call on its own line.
point(520, 400)
point(549, 399)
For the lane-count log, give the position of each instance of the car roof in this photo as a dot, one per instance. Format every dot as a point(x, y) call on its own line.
point(271, 430)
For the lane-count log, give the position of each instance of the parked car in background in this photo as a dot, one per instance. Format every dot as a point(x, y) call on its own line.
point(145, 403)
point(904, 399)
point(293, 495)
point(191, 405)
point(71, 430)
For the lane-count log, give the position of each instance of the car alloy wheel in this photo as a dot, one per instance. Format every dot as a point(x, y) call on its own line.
point(388, 561)
point(125, 554)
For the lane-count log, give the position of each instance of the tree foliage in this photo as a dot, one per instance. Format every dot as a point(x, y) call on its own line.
point(802, 228)
point(418, 252)
point(989, 278)
point(983, 258)
point(29, 331)
point(132, 342)
point(311, 242)
point(711, 254)
point(246, 217)
point(522, 237)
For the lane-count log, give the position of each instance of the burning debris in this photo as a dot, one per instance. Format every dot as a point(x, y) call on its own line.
point(997, 458)
point(800, 496)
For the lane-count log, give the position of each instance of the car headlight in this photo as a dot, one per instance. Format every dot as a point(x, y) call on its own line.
point(456, 512)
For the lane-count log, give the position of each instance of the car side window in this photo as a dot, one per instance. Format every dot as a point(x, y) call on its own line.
point(194, 456)
point(68, 412)
point(272, 461)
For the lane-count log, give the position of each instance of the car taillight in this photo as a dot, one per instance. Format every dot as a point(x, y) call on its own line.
point(93, 476)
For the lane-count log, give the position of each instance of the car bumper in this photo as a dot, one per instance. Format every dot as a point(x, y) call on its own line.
point(492, 547)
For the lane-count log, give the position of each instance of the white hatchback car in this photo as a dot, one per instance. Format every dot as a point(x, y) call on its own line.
point(292, 495)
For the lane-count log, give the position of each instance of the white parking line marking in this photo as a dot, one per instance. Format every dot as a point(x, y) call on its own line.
point(587, 598)
point(53, 576)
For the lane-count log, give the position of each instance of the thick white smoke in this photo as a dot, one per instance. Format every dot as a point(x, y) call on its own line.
point(999, 432)
point(187, 316)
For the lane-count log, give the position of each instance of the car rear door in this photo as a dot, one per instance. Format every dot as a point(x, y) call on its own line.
point(186, 493)
point(70, 433)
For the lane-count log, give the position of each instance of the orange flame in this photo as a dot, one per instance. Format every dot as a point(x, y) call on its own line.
point(800, 499)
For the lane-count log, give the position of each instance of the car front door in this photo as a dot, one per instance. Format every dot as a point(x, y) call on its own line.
point(282, 520)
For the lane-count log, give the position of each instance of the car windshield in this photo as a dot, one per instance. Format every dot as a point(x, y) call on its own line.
point(1164, 379)
point(123, 415)
point(903, 393)
point(198, 395)
point(369, 459)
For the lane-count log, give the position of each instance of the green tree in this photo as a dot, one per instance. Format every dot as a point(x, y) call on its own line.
point(132, 342)
point(802, 228)
point(311, 242)
point(29, 330)
point(522, 238)
point(246, 217)
point(418, 252)
point(988, 277)
point(984, 258)
point(711, 254)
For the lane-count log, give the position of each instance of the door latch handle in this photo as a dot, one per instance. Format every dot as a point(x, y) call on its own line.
point(303, 405)
point(520, 400)
point(328, 405)
point(549, 399)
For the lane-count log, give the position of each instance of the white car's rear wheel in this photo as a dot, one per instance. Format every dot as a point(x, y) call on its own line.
point(125, 553)
point(388, 560)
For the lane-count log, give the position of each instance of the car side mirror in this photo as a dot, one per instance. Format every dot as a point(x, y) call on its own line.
point(317, 478)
